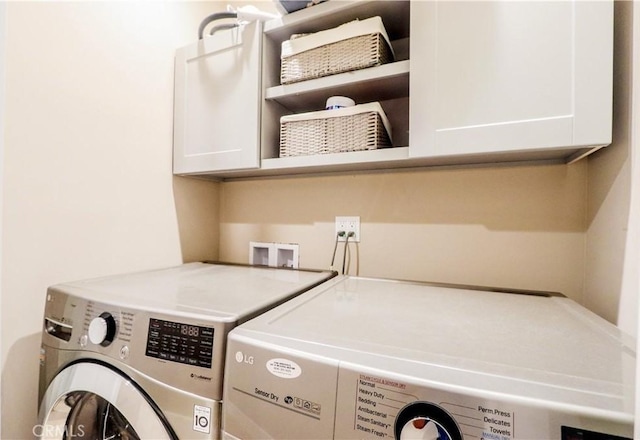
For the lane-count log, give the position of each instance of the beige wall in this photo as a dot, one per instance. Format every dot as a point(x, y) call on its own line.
point(609, 189)
point(631, 284)
point(515, 226)
point(87, 185)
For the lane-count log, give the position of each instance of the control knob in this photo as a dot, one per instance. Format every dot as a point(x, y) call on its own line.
point(425, 421)
point(102, 330)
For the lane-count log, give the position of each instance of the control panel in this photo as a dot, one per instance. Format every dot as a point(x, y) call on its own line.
point(180, 342)
point(178, 350)
point(372, 405)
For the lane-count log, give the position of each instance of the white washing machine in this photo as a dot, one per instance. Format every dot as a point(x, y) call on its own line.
point(359, 358)
point(141, 356)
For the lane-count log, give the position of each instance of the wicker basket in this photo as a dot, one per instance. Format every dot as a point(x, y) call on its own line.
point(344, 56)
point(356, 128)
point(354, 45)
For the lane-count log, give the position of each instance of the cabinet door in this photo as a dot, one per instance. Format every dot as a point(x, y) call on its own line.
point(507, 76)
point(217, 102)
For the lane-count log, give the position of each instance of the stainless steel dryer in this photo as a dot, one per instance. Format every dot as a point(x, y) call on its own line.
point(378, 359)
point(141, 356)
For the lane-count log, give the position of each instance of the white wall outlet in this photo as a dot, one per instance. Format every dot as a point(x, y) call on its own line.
point(348, 225)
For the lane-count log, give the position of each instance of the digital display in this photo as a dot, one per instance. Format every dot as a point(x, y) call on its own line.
point(569, 433)
point(179, 342)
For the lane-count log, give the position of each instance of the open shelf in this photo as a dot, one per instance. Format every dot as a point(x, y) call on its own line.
point(381, 83)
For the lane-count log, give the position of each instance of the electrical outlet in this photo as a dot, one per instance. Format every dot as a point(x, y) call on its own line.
point(348, 224)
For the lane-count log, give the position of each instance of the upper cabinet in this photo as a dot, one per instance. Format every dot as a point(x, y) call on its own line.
point(471, 82)
point(217, 102)
point(511, 77)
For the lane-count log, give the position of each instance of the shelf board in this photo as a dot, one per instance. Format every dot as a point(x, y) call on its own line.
point(380, 83)
point(394, 14)
point(394, 159)
point(363, 159)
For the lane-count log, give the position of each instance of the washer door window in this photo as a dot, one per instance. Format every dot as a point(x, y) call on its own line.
point(88, 400)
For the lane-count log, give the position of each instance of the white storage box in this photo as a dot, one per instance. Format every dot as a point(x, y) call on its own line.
point(355, 45)
point(357, 128)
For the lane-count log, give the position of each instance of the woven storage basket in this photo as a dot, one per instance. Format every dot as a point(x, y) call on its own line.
point(354, 45)
point(334, 131)
point(344, 56)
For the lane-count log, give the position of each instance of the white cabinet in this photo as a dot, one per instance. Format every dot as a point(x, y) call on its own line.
point(525, 78)
point(473, 82)
point(217, 102)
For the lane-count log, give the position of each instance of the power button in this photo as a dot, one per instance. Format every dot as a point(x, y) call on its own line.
point(124, 352)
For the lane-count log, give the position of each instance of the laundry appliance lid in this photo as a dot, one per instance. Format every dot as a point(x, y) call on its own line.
point(545, 348)
point(227, 292)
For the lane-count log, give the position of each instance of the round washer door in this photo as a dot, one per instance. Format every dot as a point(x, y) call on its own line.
point(91, 400)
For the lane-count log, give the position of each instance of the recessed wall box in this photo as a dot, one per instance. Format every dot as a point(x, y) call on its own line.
point(287, 255)
point(274, 254)
point(261, 254)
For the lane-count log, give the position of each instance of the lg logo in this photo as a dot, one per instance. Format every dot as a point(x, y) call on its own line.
point(241, 357)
